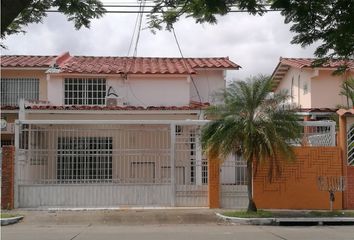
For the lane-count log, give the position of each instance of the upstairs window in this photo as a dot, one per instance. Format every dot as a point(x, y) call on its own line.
point(14, 89)
point(84, 91)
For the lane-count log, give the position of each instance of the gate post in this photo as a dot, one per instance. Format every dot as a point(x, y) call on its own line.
point(7, 178)
point(173, 163)
point(213, 182)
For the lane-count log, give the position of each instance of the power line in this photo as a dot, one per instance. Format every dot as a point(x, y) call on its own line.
point(186, 66)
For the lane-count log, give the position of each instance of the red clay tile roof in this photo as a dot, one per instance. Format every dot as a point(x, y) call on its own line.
point(26, 61)
point(9, 107)
point(118, 65)
point(129, 108)
point(307, 62)
point(142, 65)
point(285, 64)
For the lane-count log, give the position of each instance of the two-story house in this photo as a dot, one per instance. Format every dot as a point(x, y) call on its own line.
point(110, 131)
point(315, 90)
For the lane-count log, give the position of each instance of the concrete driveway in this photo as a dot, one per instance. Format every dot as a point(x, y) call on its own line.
point(156, 225)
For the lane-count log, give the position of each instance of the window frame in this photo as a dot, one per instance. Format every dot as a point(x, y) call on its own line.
point(15, 91)
point(84, 90)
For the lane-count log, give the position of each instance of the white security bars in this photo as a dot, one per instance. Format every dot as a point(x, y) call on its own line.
point(14, 89)
point(84, 91)
point(110, 163)
point(350, 146)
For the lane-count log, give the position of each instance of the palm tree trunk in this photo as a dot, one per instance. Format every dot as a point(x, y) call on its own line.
point(251, 204)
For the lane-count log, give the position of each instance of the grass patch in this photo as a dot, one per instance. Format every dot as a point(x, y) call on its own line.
point(330, 214)
point(8, 215)
point(243, 214)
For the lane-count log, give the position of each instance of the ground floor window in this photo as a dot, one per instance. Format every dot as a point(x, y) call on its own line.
point(84, 158)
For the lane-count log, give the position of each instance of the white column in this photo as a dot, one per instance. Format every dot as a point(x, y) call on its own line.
point(198, 159)
point(16, 167)
point(173, 163)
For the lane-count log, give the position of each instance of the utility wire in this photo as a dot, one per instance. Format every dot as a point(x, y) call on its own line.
point(186, 66)
point(142, 5)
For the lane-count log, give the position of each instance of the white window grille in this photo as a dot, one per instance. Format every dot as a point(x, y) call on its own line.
point(84, 91)
point(14, 89)
point(84, 159)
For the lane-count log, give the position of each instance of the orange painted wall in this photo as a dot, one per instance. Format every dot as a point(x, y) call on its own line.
point(297, 187)
point(349, 193)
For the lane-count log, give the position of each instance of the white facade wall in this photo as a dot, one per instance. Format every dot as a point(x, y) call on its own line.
point(157, 91)
point(55, 90)
point(152, 90)
point(208, 82)
point(172, 91)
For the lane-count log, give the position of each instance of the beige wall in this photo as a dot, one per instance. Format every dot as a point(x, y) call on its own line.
point(295, 83)
point(40, 74)
point(313, 88)
point(327, 88)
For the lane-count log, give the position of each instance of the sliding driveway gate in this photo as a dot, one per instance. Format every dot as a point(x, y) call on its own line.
point(113, 164)
point(117, 163)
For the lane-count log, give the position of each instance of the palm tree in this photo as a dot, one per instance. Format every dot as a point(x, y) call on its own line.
point(254, 122)
point(347, 90)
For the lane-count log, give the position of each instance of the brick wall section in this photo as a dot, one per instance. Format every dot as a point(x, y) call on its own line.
point(7, 180)
point(213, 182)
point(350, 188)
point(297, 187)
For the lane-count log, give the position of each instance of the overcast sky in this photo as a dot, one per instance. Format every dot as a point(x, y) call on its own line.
point(254, 42)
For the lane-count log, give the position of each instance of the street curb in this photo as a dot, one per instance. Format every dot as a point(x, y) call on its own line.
point(8, 221)
point(249, 221)
point(278, 221)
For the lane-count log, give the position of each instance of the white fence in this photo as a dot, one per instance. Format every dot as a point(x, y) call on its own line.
point(127, 163)
point(318, 133)
point(115, 163)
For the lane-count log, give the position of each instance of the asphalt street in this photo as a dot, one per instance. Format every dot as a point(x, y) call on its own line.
point(174, 232)
point(187, 224)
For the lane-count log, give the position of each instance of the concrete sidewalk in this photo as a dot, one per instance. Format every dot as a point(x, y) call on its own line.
point(118, 217)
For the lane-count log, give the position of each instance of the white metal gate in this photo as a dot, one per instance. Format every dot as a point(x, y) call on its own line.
point(234, 183)
point(350, 146)
point(109, 164)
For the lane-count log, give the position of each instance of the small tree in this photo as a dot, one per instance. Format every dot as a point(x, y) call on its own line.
point(252, 121)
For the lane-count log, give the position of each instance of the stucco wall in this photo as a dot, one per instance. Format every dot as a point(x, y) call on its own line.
point(40, 74)
point(326, 90)
point(136, 91)
point(297, 84)
point(208, 82)
point(158, 91)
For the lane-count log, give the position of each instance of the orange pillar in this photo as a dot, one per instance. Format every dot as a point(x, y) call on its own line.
point(7, 178)
point(213, 182)
point(343, 147)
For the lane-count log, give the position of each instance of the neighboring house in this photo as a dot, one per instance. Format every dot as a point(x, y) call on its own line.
point(315, 90)
point(111, 131)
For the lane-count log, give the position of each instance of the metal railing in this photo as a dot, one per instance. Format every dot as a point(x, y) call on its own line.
point(317, 133)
